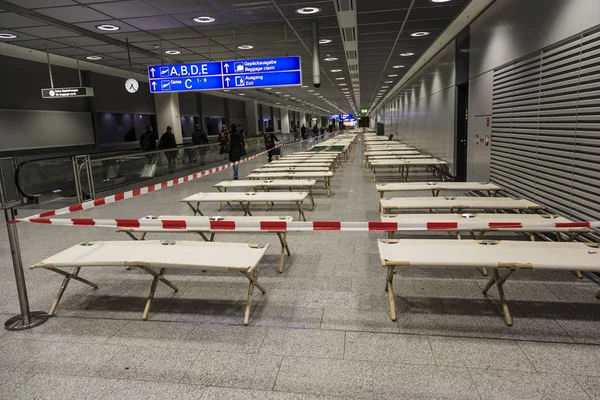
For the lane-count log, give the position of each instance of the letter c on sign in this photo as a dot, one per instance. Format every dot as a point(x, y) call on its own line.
point(188, 83)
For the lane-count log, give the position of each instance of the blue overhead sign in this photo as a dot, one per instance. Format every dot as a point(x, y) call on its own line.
point(237, 74)
point(343, 117)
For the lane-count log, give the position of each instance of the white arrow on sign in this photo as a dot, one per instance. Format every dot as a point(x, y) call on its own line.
point(227, 68)
point(152, 70)
point(153, 85)
point(227, 80)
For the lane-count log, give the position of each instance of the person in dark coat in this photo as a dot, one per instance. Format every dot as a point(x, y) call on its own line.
point(237, 148)
point(199, 138)
point(167, 141)
point(270, 140)
point(315, 130)
point(303, 132)
point(130, 136)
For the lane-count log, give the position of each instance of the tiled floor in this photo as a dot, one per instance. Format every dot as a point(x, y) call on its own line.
point(322, 331)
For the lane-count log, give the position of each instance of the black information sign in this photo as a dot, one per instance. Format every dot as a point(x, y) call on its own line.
point(64, 93)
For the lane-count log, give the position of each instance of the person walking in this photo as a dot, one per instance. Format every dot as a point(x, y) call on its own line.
point(235, 146)
point(303, 132)
point(167, 141)
point(200, 138)
point(315, 130)
point(270, 140)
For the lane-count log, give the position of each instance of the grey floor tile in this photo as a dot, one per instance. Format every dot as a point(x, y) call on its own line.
point(358, 320)
point(52, 387)
point(140, 390)
point(385, 347)
point(282, 298)
point(84, 330)
point(152, 334)
point(326, 377)
point(250, 371)
point(496, 385)
point(342, 300)
point(287, 317)
point(451, 288)
point(14, 353)
point(10, 380)
point(439, 324)
point(577, 359)
point(220, 393)
point(479, 353)
point(582, 331)
point(393, 381)
point(234, 339)
point(591, 385)
point(304, 342)
point(149, 364)
point(71, 358)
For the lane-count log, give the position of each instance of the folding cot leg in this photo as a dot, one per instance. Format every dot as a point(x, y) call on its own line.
point(252, 277)
point(499, 281)
point(328, 185)
point(312, 199)
point(157, 277)
point(246, 208)
point(204, 237)
point(389, 287)
point(221, 203)
point(196, 209)
point(571, 238)
point(65, 283)
point(300, 205)
point(284, 248)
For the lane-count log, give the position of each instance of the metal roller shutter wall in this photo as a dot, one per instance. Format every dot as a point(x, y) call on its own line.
point(546, 128)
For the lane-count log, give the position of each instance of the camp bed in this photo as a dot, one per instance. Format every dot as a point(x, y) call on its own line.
point(155, 257)
point(298, 167)
point(213, 225)
point(457, 204)
point(326, 176)
point(245, 199)
point(437, 187)
point(492, 254)
point(404, 165)
point(268, 184)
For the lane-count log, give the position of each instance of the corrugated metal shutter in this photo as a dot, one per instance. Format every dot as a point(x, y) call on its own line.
point(546, 127)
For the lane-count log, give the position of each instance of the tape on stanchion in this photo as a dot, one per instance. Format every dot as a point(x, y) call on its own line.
point(300, 226)
point(148, 189)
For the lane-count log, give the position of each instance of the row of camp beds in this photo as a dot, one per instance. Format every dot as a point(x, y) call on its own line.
point(495, 255)
point(155, 257)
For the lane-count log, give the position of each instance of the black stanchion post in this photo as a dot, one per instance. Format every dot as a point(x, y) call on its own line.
point(27, 319)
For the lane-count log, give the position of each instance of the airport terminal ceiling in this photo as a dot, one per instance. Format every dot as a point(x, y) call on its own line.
point(390, 36)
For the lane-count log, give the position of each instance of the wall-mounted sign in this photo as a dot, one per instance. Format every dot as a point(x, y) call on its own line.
point(64, 93)
point(476, 139)
point(235, 74)
point(364, 110)
point(487, 140)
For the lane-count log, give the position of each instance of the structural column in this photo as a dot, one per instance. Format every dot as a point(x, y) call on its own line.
point(284, 114)
point(252, 117)
point(167, 114)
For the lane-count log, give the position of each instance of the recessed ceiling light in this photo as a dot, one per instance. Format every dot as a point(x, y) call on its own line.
point(308, 10)
point(268, 88)
point(204, 20)
point(385, 87)
point(293, 98)
point(341, 78)
point(277, 103)
point(311, 90)
point(331, 59)
point(172, 52)
point(439, 1)
point(245, 47)
point(8, 36)
point(419, 34)
point(315, 94)
point(324, 41)
point(93, 58)
point(242, 94)
point(286, 95)
point(304, 87)
point(226, 90)
point(336, 70)
point(407, 54)
point(343, 84)
point(392, 75)
point(108, 27)
point(277, 92)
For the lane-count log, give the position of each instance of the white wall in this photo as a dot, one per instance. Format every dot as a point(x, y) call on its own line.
point(423, 115)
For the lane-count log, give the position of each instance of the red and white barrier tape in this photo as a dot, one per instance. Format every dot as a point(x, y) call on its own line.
point(144, 190)
point(251, 226)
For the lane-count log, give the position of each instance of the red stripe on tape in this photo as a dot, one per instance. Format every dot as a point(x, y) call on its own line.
point(572, 225)
point(137, 192)
point(383, 226)
point(505, 225)
point(119, 196)
point(222, 225)
point(433, 226)
point(83, 221)
point(273, 226)
point(185, 178)
point(327, 226)
point(99, 202)
point(48, 213)
point(174, 224)
point(151, 188)
point(41, 220)
point(164, 185)
point(75, 207)
point(128, 223)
